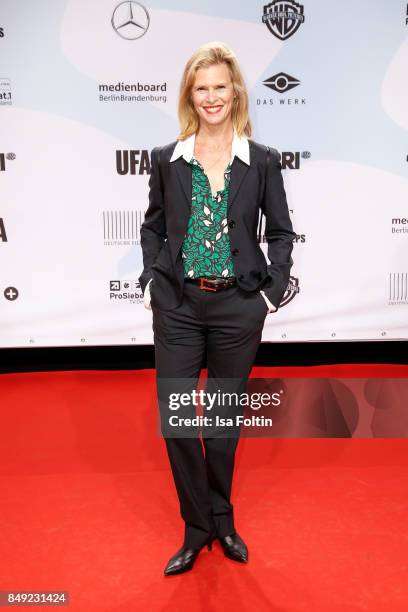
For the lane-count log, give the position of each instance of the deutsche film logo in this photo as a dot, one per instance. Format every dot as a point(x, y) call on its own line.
point(398, 288)
point(283, 19)
point(122, 227)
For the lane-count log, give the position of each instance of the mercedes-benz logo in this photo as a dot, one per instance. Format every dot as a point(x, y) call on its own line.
point(130, 20)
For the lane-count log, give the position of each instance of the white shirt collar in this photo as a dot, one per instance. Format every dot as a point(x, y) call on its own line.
point(185, 148)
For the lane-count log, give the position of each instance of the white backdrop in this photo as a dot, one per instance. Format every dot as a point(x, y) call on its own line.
point(76, 140)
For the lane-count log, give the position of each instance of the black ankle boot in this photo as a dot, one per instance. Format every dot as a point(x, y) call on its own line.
point(234, 548)
point(184, 558)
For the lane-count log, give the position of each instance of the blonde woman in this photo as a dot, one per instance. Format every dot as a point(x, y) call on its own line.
point(206, 278)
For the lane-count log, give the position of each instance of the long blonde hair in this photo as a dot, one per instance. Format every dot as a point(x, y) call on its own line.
point(208, 55)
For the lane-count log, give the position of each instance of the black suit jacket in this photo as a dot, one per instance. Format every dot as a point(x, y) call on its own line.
point(256, 187)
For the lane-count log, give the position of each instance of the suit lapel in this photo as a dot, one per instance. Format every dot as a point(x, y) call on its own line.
point(182, 202)
point(184, 173)
point(238, 172)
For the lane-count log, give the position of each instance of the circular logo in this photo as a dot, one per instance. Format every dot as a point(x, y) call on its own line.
point(130, 20)
point(11, 293)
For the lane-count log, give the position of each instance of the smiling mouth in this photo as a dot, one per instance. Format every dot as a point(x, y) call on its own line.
point(212, 109)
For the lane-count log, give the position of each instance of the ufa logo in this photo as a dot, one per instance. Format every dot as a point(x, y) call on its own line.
point(133, 162)
point(283, 18)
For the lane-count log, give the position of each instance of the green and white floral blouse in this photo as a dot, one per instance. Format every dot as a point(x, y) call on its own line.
point(206, 248)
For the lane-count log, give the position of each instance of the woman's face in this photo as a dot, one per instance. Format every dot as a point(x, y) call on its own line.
point(213, 94)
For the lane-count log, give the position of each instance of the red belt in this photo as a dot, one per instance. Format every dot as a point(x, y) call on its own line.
point(213, 283)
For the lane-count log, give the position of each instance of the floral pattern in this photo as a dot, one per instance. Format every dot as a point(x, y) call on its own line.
point(206, 246)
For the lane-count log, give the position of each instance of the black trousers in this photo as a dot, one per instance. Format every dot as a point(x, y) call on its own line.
point(227, 326)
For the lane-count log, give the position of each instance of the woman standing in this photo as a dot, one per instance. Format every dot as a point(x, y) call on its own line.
point(206, 278)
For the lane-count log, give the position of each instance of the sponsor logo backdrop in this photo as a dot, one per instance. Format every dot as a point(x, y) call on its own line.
point(89, 87)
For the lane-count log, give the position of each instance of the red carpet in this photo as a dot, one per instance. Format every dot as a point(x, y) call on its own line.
point(88, 505)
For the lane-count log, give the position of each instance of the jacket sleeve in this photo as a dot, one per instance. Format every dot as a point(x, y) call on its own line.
point(279, 232)
point(153, 232)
